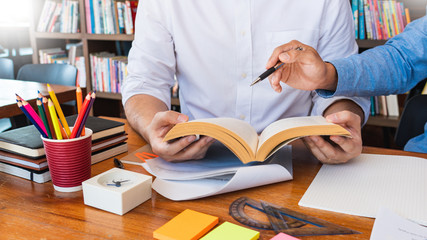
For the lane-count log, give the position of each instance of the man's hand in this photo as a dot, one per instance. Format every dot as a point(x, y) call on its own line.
point(338, 149)
point(185, 148)
point(303, 69)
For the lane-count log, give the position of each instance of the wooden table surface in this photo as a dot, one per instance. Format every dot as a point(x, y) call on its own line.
point(30, 210)
point(28, 91)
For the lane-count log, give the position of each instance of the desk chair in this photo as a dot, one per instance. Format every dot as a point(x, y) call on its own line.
point(6, 68)
point(413, 119)
point(61, 74)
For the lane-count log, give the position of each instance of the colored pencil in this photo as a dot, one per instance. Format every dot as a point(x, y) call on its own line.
point(34, 115)
point(79, 99)
point(80, 116)
point(39, 95)
point(64, 134)
point(43, 117)
point(49, 119)
point(31, 119)
point(86, 114)
point(18, 98)
point(58, 109)
point(55, 120)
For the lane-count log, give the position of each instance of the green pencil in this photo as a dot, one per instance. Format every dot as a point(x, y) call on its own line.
point(43, 117)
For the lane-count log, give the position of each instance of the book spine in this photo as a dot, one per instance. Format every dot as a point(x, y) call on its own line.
point(355, 9)
point(368, 29)
point(378, 20)
point(361, 20)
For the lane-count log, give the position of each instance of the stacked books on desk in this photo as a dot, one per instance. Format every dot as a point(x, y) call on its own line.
point(22, 153)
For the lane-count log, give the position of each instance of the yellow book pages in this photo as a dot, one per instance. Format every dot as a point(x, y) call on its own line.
point(284, 131)
point(242, 139)
point(239, 136)
point(230, 231)
point(187, 225)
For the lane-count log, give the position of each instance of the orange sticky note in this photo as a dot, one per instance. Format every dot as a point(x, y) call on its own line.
point(187, 225)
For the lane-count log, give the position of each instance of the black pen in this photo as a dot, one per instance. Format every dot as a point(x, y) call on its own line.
point(267, 73)
point(271, 70)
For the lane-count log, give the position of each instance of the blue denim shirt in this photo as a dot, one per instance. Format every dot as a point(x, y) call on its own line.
point(392, 68)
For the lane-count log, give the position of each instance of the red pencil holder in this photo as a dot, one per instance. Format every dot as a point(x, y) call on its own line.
point(69, 161)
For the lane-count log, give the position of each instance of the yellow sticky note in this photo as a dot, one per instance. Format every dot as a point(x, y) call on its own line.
point(187, 225)
point(230, 231)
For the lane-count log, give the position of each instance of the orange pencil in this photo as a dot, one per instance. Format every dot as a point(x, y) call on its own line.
point(80, 116)
point(79, 99)
point(49, 118)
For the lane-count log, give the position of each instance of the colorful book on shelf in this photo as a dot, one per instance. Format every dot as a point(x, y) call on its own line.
point(26, 141)
point(361, 20)
point(355, 9)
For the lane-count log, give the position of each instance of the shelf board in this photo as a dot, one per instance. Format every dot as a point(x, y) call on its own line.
point(369, 43)
point(109, 37)
point(56, 35)
point(383, 121)
point(109, 95)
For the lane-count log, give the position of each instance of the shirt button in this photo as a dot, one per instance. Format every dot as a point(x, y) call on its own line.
point(242, 117)
point(243, 33)
point(244, 75)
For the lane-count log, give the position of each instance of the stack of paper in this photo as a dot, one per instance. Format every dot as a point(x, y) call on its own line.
point(368, 182)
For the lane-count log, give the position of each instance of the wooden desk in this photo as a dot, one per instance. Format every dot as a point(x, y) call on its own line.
point(35, 211)
point(28, 91)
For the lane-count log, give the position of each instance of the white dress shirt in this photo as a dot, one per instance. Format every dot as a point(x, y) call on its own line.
point(216, 48)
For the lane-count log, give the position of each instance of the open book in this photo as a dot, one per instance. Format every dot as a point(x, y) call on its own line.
point(242, 139)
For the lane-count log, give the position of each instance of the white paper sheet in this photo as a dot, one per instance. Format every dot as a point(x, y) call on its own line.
point(219, 172)
point(388, 225)
point(369, 181)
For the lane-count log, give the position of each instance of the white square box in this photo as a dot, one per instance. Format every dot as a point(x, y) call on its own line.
point(103, 192)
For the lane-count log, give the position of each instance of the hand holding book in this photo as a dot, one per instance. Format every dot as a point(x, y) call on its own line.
point(242, 139)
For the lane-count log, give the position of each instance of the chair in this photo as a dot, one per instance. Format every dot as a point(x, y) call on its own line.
point(413, 119)
point(6, 68)
point(62, 74)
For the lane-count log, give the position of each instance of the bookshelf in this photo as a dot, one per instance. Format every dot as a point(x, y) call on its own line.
point(92, 43)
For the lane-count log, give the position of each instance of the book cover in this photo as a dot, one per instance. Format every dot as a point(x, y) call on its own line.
point(26, 141)
point(241, 138)
point(107, 147)
point(35, 176)
point(43, 175)
point(392, 105)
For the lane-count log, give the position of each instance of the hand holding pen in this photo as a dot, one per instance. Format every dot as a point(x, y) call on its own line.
point(304, 68)
point(271, 69)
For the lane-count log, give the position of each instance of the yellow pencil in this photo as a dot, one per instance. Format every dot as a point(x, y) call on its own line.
point(58, 109)
point(54, 119)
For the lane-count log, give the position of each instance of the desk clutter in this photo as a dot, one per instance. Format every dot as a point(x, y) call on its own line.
point(21, 150)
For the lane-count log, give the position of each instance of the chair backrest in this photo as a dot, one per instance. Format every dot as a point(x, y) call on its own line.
point(413, 119)
point(6, 68)
point(62, 74)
